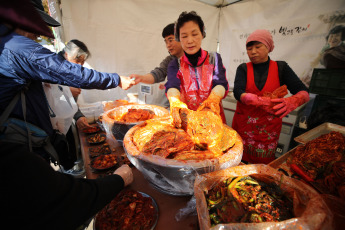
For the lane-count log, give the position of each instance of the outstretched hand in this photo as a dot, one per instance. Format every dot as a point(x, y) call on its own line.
point(82, 123)
point(175, 106)
point(126, 82)
point(137, 78)
point(147, 78)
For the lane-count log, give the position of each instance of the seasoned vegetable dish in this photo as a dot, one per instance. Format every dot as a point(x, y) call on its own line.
point(128, 210)
point(96, 139)
point(104, 161)
point(244, 199)
point(323, 159)
point(96, 151)
point(136, 115)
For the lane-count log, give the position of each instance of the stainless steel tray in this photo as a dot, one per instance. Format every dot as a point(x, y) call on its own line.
point(318, 131)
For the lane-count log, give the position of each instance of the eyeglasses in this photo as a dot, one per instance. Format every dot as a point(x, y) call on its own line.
point(168, 41)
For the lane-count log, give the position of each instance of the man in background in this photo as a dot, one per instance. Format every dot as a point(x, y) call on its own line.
point(76, 52)
point(159, 73)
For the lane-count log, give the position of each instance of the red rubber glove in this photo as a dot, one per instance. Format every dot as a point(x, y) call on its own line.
point(286, 105)
point(253, 99)
point(212, 103)
point(175, 105)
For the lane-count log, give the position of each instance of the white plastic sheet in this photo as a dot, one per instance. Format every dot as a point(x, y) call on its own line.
point(62, 105)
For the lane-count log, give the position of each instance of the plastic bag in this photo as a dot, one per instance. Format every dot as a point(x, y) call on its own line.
point(310, 210)
point(189, 210)
point(62, 106)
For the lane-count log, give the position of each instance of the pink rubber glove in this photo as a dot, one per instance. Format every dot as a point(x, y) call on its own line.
point(286, 105)
point(252, 99)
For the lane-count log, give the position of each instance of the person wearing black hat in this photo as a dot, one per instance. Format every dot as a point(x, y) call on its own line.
point(23, 62)
point(19, 18)
point(34, 195)
point(40, 9)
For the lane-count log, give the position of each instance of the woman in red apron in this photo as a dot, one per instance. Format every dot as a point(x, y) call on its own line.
point(196, 80)
point(258, 123)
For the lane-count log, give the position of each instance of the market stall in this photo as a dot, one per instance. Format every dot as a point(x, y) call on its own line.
point(172, 202)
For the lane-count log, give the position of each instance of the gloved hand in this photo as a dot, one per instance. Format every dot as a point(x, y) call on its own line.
point(175, 105)
point(253, 99)
point(126, 173)
point(212, 103)
point(286, 105)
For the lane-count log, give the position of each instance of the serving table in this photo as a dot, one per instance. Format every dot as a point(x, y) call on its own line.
point(168, 205)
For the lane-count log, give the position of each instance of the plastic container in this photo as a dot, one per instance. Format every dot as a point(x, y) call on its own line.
point(329, 82)
point(91, 111)
point(62, 106)
point(325, 128)
point(89, 115)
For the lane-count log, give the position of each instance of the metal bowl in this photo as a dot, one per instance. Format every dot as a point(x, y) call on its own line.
point(175, 177)
point(156, 216)
point(118, 128)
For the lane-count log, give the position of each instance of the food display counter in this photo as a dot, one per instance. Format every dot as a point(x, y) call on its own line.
point(321, 152)
point(168, 205)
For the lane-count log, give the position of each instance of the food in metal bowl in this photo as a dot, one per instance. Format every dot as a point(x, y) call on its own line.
point(104, 162)
point(91, 130)
point(202, 136)
point(96, 139)
point(120, 119)
point(136, 115)
point(128, 210)
point(99, 150)
point(170, 158)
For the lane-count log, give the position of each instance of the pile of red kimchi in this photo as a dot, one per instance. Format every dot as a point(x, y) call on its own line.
point(323, 159)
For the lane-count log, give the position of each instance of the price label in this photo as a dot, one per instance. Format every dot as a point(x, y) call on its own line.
point(279, 150)
point(146, 89)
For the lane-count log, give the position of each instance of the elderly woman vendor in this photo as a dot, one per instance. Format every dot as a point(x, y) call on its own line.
point(256, 120)
point(197, 79)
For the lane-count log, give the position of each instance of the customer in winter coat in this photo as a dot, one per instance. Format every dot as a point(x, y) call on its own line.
point(34, 195)
point(26, 64)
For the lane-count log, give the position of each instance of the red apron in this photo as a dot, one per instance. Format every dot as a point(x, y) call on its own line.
point(196, 83)
point(259, 130)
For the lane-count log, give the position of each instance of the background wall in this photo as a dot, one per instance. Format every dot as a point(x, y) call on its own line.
point(125, 36)
point(298, 27)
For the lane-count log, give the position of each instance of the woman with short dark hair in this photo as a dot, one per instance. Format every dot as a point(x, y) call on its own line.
point(197, 80)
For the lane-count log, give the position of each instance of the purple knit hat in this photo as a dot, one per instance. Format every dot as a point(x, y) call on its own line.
point(263, 36)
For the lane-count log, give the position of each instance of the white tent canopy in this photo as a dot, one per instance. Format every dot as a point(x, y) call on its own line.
point(125, 36)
